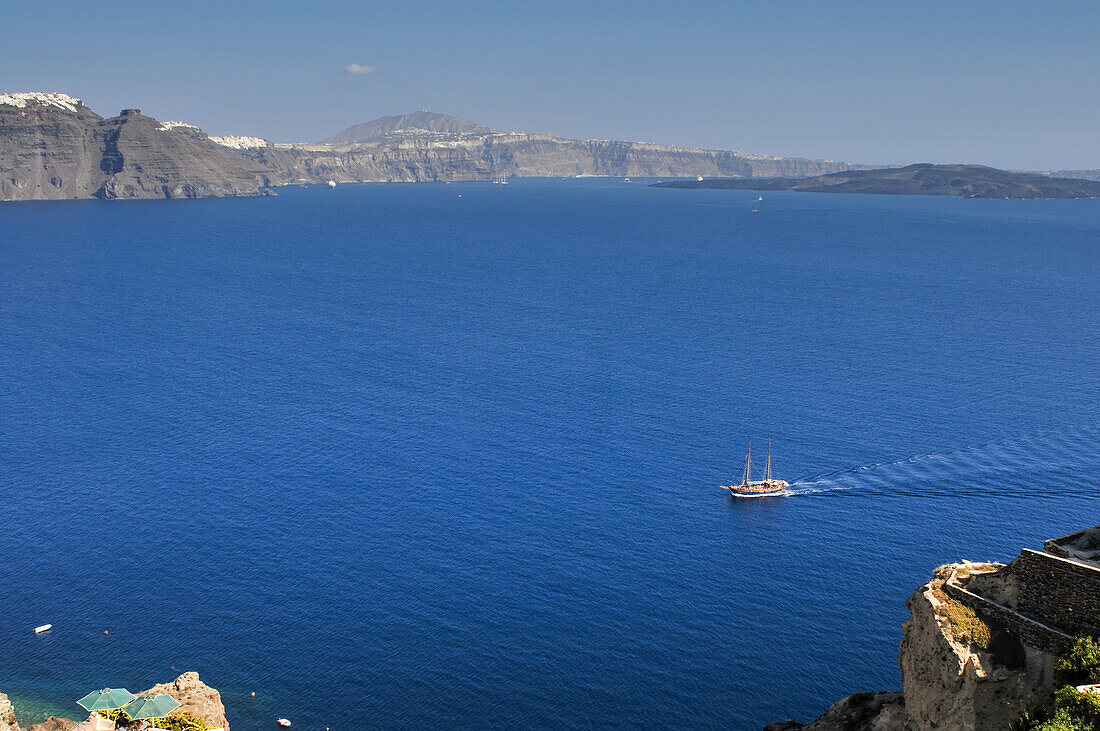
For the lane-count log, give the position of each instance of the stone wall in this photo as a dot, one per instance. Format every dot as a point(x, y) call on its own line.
point(1062, 593)
point(1027, 630)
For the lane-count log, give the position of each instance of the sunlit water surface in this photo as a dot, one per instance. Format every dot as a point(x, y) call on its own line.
point(448, 456)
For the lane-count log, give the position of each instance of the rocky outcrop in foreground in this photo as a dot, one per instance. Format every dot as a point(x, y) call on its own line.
point(195, 697)
point(859, 712)
point(979, 647)
point(7, 715)
point(52, 146)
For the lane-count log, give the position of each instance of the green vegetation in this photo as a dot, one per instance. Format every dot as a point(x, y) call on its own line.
point(1073, 710)
point(966, 626)
point(1078, 705)
point(1080, 664)
point(182, 721)
point(118, 716)
point(176, 721)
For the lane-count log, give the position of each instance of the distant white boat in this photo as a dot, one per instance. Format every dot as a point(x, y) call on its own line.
point(699, 177)
point(626, 180)
point(42, 628)
point(501, 180)
point(760, 198)
point(283, 722)
point(331, 183)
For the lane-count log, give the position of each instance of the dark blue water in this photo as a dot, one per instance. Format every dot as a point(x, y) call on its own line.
point(392, 457)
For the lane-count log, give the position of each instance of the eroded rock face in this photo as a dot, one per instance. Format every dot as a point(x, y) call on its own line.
point(196, 698)
point(7, 715)
point(58, 152)
point(950, 682)
point(858, 712)
point(52, 150)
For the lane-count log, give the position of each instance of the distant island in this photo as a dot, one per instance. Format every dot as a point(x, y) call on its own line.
point(967, 181)
point(52, 146)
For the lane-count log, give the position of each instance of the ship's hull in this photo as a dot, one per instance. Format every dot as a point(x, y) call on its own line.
point(758, 489)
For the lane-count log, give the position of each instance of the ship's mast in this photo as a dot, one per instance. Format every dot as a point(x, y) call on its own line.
point(748, 467)
point(768, 471)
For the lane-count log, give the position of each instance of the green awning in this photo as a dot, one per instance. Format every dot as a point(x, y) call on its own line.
point(151, 706)
point(107, 699)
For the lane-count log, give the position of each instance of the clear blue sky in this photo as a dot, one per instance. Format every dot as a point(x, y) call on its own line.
point(1004, 83)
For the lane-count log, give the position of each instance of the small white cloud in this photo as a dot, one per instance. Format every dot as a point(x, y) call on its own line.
point(355, 68)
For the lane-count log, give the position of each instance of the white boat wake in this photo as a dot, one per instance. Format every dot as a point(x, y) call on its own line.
point(1066, 464)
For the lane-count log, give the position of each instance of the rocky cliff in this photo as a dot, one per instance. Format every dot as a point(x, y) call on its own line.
point(53, 147)
point(960, 670)
point(195, 697)
point(481, 157)
point(7, 715)
point(979, 646)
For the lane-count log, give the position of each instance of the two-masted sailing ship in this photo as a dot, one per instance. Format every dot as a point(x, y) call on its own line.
point(756, 488)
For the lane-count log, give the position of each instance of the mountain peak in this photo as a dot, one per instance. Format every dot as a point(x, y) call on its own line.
point(417, 124)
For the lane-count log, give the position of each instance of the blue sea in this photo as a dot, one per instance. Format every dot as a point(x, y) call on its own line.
point(449, 456)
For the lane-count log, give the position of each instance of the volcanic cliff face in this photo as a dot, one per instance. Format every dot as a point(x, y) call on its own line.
point(483, 156)
point(53, 147)
point(49, 147)
point(141, 159)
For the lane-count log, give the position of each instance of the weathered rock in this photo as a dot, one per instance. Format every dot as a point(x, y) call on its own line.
point(858, 712)
point(196, 698)
point(55, 723)
point(979, 646)
point(950, 681)
point(53, 149)
point(7, 715)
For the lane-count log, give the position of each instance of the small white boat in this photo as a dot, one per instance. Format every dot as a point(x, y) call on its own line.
point(43, 628)
point(331, 183)
point(760, 198)
point(699, 177)
point(283, 722)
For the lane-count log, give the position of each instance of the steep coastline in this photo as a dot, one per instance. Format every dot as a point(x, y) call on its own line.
point(53, 147)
